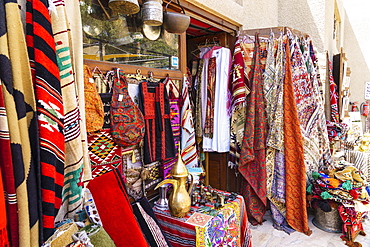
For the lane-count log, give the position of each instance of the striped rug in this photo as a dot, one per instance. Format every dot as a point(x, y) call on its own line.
point(49, 104)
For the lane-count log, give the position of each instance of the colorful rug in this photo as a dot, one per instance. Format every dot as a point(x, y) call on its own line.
point(105, 155)
point(252, 159)
point(296, 213)
point(20, 108)
point(115, 210)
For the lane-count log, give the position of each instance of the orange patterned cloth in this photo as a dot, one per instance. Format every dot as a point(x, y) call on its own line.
point(296, 213)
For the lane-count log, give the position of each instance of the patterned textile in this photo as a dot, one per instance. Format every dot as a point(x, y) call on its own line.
point(296, 214)
point(198, 124)
point(309, 107)
point(180, 233)
point(252, 158)
point(104, 153)
point(127, 121)
point(352, 222)
point(239, 92)
point(20, 107)
point(211, 81)
point(7, 172)
point(158, 139)
point(49, 103)
point(93, 104)
point(175, 117)
point(76, 42)
point(223, 229)
point(334, 112)
point(72, 190)
point(188, 146)
point(149, 223)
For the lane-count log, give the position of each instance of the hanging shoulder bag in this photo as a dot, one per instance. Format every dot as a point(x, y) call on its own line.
point(127, 121)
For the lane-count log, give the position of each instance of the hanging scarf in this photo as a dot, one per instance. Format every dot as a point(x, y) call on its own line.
point(334, 113)
point(252, 158)
point(188, 146)
point(211, 88)
point(72, 189)
point(198, 102)
point(239, 91)
point(294, 156)
point(20, 108)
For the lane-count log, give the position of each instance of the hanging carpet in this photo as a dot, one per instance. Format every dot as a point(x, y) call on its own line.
point(20, 107)
point(252, 158)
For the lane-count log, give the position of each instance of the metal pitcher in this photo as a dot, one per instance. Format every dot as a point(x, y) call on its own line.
point(126, 7)
point(179, 201)
point(152, 12)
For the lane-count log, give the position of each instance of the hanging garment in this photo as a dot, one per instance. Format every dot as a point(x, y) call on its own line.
point(76, 43)
point(72, 190)
point(220, 142)
point(7, 173)
point(210, 109)
point(188, 146)
point(296, 213)
point(239, 92)
point(252, 157)
point(20, 109)
point(334, 112)
point(175, 101)
point(158, 139)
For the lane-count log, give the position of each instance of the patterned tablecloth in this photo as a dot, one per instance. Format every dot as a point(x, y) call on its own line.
point(228, 228)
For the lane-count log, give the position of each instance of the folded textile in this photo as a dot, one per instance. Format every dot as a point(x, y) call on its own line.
point(115, 210)
point(149, 223)
point(98, 236)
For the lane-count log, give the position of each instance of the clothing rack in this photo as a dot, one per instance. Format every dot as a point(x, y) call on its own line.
point(267, 31)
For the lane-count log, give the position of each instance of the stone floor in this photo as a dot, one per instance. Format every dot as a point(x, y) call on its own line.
point(266, 236)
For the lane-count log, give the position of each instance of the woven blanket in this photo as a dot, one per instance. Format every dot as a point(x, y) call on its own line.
point(20, 109)
point(115, 210)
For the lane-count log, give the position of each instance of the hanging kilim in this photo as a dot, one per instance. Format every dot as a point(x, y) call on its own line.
point(252, 157)
point(41, 49)
point(72, 190)
point(76, 34)
point(296, 213)
point(239, 92)
point(105, 154)
point(20, 108)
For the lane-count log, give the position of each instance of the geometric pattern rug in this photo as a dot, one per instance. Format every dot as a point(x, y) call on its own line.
point(105, 155)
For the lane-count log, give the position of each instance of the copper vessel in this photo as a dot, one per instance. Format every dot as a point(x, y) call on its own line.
point(179, 201)
point(174, 22)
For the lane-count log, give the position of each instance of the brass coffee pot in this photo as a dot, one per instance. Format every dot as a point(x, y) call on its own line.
point(179, 201)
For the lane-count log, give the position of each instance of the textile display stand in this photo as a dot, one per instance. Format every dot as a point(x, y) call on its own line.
point(230, 224)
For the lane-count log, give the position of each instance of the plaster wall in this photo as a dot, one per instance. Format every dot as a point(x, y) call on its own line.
point(356, 45)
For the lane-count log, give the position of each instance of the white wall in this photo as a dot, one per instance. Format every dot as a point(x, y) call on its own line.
point(357, 45)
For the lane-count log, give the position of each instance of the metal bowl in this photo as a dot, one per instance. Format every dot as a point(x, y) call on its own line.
point(175, 22)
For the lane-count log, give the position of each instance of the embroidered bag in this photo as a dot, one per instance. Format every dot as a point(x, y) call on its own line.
point(93, 104)
point(127, 121)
